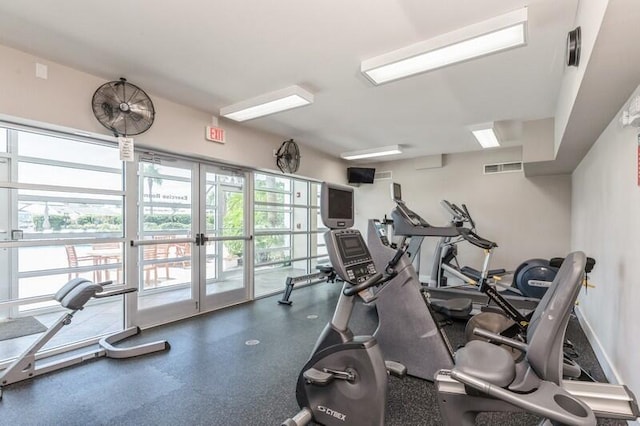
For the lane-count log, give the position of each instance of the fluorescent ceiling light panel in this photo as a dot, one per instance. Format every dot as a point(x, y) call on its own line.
point(491, 36)
point(485, 135)
point(269, 103)
point(370, 153)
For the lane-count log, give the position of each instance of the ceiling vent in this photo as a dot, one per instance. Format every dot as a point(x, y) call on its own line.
point(502, 168)
point(383, 176)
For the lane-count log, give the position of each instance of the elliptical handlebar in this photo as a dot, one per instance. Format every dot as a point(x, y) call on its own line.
point(375, 279)
point(452, 209)
point(468, 215)
point(476, 239)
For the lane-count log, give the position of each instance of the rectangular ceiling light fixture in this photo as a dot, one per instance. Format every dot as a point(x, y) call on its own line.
point(374, 152)
point(491, 36)
point(269, 103)
point(486, 135)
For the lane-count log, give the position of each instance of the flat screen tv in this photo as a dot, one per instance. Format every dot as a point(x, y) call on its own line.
point(360, 174)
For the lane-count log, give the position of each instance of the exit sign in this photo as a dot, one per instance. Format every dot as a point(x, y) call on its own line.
point(215, 134)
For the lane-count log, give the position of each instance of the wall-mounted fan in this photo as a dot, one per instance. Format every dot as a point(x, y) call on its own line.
point(288, 157)
point(123, 108)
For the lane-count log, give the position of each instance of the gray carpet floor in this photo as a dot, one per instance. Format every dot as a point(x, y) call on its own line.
point(212, 377)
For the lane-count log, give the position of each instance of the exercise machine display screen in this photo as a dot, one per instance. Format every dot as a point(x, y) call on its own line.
point(340, 204)
point(336, 206)
point(396, 192)
point(351, 247)
point(350, 256)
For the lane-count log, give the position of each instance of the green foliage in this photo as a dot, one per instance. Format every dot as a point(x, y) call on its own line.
point(173, 226)
point(56, 221)
point(233, 222)
point(159, 219)
point(98, 219)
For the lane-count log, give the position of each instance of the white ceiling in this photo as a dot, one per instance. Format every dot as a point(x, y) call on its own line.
point(209, 54)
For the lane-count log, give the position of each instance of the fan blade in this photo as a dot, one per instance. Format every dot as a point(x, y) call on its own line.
point(117, 89)
point(135, 92)
point(102, 97)
point(119, 124)
point(140, 111)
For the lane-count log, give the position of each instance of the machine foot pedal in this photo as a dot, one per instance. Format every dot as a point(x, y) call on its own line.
point(317, 377)
point(395, 368)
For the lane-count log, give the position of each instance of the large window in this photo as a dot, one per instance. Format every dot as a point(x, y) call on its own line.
point(288, 241)
point(183, 232)
point(61, 217)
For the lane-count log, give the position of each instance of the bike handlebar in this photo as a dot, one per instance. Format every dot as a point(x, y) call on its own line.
point(373, 280)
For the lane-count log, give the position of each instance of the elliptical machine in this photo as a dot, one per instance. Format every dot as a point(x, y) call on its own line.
point(531, 278)
point(345, 379)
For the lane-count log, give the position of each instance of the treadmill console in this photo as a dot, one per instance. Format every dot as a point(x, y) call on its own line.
point(349, 255)
point(414, 218)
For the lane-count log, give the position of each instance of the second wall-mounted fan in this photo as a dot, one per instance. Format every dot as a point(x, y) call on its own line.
point(123, 108)
point(288, 157)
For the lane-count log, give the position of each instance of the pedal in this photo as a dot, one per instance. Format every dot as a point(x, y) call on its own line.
point(395, 368)
point(367, 296)
point(317, 377)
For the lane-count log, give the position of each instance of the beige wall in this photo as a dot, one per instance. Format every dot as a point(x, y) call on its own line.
point(528, 218)
point(64, 99)
point(606, 208)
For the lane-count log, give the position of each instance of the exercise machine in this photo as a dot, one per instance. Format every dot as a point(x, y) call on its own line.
point(325, 273)
point(530, 279)
point(423, 347)
point(386, 252)
point(345, 379)
point(445, 256)
point(534, 276)
point(407, 330)
point(74, 295)
point(487, 378)
point(408, 223)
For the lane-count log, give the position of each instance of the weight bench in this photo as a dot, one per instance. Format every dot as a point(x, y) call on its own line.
point(73, 296)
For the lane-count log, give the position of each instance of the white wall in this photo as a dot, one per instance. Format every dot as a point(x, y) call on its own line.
point(65, 99)
point(528, 218)
point(605, 212)
point(589, 17)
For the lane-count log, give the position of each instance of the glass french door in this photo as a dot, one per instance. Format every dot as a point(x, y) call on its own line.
point(167, 223)
point(224, 238)
point(191, 238)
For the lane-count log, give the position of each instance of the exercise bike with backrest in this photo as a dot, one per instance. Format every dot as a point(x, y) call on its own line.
point(493, 381)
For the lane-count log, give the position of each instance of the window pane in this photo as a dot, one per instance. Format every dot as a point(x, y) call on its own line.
point(273, 197)
point(95, 262)
point(314, 194)
point(300, 219)
point(166, 194)
point(272, 218)
point(48, 214)
point(67, 150)
point(272, 182)
point(3, 139)
point(44, 174)
point(272, 248)
point(300, 192)
point(300, 246)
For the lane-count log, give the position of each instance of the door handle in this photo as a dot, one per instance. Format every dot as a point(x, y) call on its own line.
point(201, 239)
